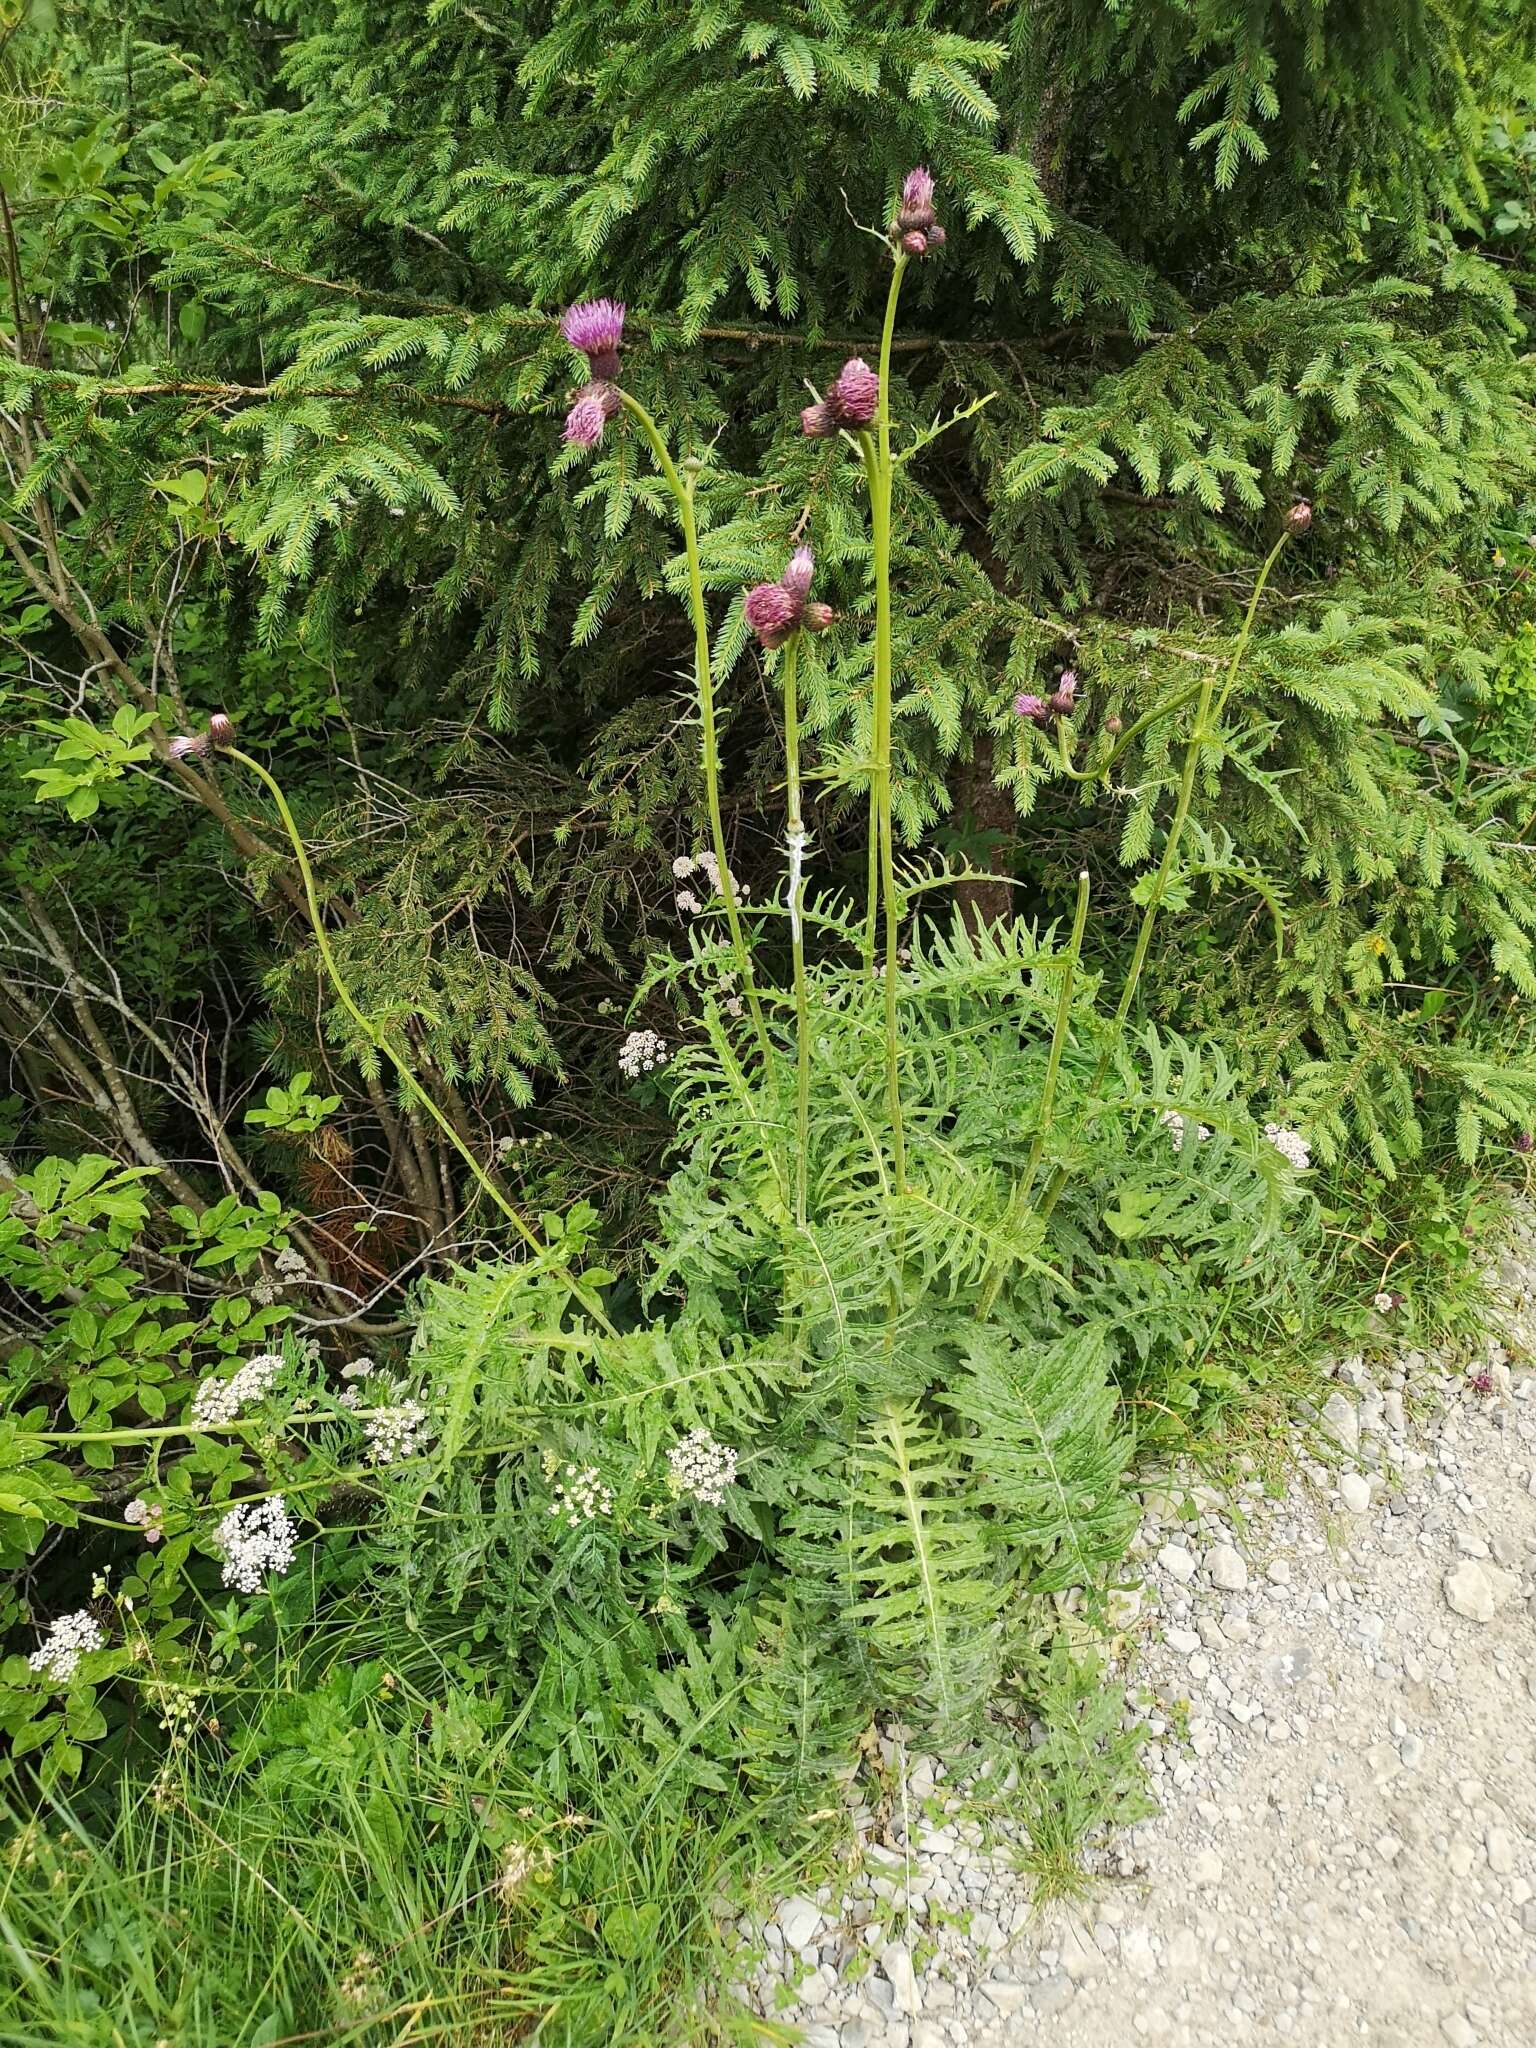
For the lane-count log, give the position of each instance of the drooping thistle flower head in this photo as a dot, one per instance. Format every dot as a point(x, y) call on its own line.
point(596, 327)
point(855, 394)
point(194, 746)
point(593, 407)
point(915, 228)
point(852, 400)
point(1043, 710)
point(1299, 519)
point(774, 611)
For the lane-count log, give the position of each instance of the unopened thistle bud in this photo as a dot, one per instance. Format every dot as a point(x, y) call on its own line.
point(1299, 519)
point(1064, 696)
point(797, 576)
point(915, 242)
point(817, 617)
point(1112, 723)
point(817, 421)
point(221, 730)
point(1524, 1142)
point(595, 328)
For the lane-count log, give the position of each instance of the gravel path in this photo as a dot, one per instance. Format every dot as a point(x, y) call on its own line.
point(1344, 1724)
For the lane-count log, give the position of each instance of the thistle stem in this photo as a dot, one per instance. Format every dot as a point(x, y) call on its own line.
point(380, 1042)
point(682, 492)
point(1026, 1182)
point(877, 463)
point(1205, 729)
point(794, 828)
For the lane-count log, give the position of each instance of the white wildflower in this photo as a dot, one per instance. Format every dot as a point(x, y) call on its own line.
point(359, 1369)
point(256, 1538)
point(702, 1466)
point(1383, 1303)
point(217, 1401)
point(1290, 1145)
point(291, 1264)
point(1178, 1124)
point(682, 868)
point(688, 904)
point(397, 1432)
point(709, 868)
point(641, 1053)
point(66, 1642)
point(581, 1495)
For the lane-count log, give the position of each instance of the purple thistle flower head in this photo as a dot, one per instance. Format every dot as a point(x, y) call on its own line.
point(594, 406)
point(772, 612)
point(817, 421)
point(917, 190)
point(188, 746)
point(854, 398)
point(221, 730)
point(596, 327)
point(1524, 1142)
point(797, 577)
point(1026, 705)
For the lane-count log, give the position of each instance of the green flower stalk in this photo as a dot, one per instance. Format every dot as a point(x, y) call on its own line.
point(1205, 729)
point(682, 488)
point(794, 839)
point(219, 738)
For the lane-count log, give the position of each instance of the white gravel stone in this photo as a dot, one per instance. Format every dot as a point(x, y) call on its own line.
point(1227, 1569)
point(1355, 1492)
point(1176, 1563)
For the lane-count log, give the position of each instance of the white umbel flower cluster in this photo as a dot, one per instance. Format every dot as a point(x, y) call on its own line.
point(641, 1053)
point(1290, 1145)
point(218, 1401)
point(1177, 1124)
point(702, 1467)
point(580, 1496)
point(397, 1432)
point(67, 1641)
point(706, 866)
point(256, 1538)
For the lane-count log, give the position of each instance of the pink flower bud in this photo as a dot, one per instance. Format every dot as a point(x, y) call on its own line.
point(936, 236)
point(221, 730)
point(797, 577)
point(1299, 519)
point(817, 617)
point(914, 242)
point(855, 394)
point(817, 421)
point(1112, 723)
